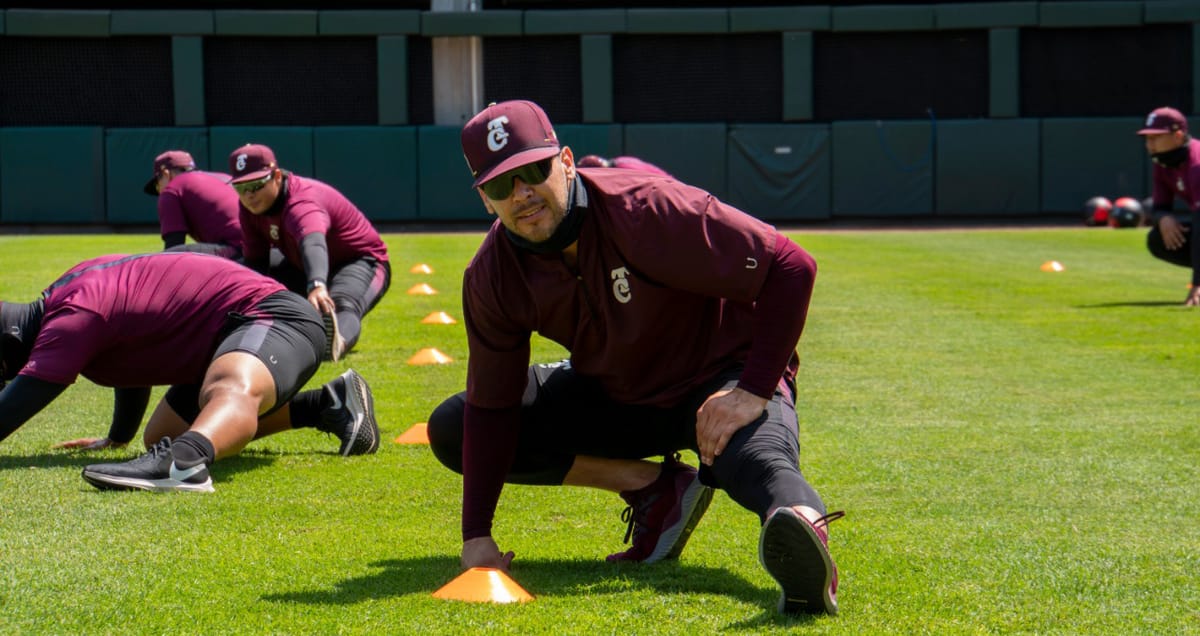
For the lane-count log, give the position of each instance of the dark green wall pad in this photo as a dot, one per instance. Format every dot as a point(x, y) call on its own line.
point(375, 167)
point(455, 23)
point(180, 22)
point(590, 139)
point(1096, 13)
point(780, 172)
point(1084, 158)
point(882, 168)
point(987, 167)
point(252, 22)
point(677, 20)
point(771, 19)
point(567, 21)
point(445, 192)
point(693, 153)
point(292, 145)
point(986, 15)
point(129, 157)
point(37, 22)
point(369, 22)
point(883, 18)
point(52, 175)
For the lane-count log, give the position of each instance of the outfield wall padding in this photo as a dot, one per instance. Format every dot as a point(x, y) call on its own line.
point(780, 172)
point(445, 192)
point(129, 158)
point(52, 175)
point(1083, 158)
point(694, 153)
point(987, 167)
point(591, 139)
point(882, 168)
point(375, 167)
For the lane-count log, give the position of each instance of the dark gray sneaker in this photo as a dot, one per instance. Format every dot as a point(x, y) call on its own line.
point(154, 471)
point(352, 414)
point(662, 516)
point(795, 552)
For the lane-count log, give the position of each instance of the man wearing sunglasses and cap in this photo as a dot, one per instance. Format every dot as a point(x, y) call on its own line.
point(681, 314)
point(194, 203)
point(1176, 174)
point(332, 254)
point(234, 346)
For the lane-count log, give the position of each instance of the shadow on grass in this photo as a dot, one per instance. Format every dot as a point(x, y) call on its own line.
point(1139, 303)
point(424, 575)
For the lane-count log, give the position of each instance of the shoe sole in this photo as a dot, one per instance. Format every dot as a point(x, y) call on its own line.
point(359, 400)
point(692, 506)
point(113, 482)
point(332, 335)
point(793, 554)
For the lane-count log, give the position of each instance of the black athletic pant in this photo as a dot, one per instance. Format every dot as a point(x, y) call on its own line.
point(564, 415)
point(356, 287)
point(1181, 257)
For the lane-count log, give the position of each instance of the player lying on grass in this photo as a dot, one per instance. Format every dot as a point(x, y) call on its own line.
point(682, 316)
point(234, 346)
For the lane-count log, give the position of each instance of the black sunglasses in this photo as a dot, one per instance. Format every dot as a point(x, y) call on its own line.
point(499, 187)
point(250, 187)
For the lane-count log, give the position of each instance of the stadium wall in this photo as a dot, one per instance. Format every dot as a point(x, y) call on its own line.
point(996, 109)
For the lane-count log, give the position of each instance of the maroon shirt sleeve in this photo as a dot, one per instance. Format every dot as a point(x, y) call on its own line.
point(779, 315)
point(489, 445)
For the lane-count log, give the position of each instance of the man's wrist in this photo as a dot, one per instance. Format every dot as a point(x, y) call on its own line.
point(315, 284)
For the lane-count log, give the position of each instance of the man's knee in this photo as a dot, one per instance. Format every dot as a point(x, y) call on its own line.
point(445, 428)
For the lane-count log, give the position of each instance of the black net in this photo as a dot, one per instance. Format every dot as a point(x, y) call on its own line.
point(697, 78)
point(1105, 72)
point(291, 81)
point(541, 69)
point(420, 81)
point(86, 81)
point(900, 75)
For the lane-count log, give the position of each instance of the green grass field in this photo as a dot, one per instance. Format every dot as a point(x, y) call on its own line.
point(1016, 452)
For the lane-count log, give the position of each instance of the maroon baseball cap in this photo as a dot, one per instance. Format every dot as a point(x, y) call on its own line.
point(172, 159)
point(1164, 120)
point(250, 162)
point(505, 136)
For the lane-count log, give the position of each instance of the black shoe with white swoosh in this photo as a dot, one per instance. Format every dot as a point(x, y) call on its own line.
point(352, 414)
point(154, 471)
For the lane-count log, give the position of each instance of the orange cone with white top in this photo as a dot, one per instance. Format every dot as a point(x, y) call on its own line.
point(438, 318)
point(430, 356)
point(421, 268)
point(483, 585)
point(422, 289)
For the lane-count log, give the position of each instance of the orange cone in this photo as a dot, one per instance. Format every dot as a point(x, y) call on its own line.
point(483, 585)
point(430, 356)
point(421, 268)
point(438, 318)
point(421, 290)
point(418, 434)
point(1052, 266)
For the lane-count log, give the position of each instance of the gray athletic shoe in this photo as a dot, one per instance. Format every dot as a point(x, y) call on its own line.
point(795, 552)
point(154, 471)
point(335, 345)
point(352, 414)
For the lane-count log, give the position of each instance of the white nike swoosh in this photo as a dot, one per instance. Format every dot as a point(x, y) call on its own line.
point(337, 401)
point(185, 474)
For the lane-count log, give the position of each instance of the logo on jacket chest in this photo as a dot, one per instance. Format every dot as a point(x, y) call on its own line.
point(620, 286)
point(274, 232)
point(1179, 184)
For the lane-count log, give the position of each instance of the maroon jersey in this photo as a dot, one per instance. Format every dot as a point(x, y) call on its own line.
point(145, 320)
point(311, 206)
point(663, 300)
point(203, 205)
point(633, 163)
point(1182, 182)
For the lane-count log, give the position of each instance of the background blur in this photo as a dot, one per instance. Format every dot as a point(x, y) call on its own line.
point(796, 112)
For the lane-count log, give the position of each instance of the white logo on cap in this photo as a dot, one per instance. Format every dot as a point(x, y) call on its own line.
point(497, 136)
point(1150, 120)
point(241, 161)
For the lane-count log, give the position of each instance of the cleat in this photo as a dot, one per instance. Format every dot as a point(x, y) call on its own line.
point(154, 471)
point(335, 345)
point(351, 416)
point(661, 516)
point(795, 552)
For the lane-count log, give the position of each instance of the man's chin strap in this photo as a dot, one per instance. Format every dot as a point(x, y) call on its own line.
point(567, 231)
